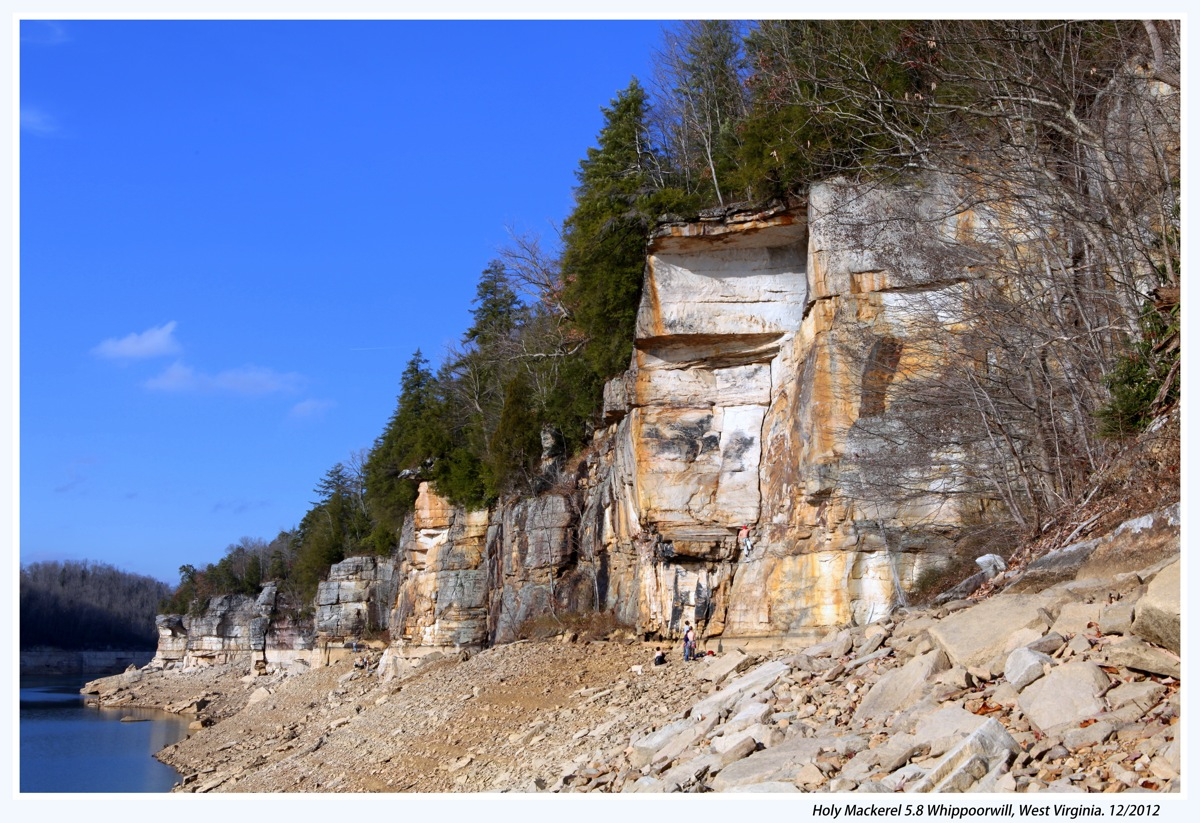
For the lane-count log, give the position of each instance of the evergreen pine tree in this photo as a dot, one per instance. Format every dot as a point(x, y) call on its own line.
point(413, 437)
point(616, 204)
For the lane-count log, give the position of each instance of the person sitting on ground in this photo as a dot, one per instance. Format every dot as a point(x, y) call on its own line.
point(660, 657)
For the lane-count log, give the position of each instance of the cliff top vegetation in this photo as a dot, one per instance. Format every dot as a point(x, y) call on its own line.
point(1068, 130)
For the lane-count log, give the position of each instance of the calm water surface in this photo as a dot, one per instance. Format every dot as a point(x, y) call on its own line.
point(68, 747)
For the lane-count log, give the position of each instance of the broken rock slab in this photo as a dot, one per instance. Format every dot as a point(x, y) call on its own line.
point(772, 765)
point(1024, 666)
point(973, 764)
point(1067, 695)
point(1143, 694)
point(975, 637)
point(682, 775)
point(1134, 653)
point(747, 714)
point(645, 748)
point(1157, 614)
point(1117, 618)
point(755, 681)
point(943, 729)
point(1076, 618)
point(717, 668)
point(899, 688)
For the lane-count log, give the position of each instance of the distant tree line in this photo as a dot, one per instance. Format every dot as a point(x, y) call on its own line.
point(84, 605)
point(1069, 130)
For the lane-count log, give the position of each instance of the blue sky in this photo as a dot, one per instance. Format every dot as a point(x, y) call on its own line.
point(233, 235)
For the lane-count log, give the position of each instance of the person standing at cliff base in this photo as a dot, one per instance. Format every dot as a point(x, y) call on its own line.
point(689, 641)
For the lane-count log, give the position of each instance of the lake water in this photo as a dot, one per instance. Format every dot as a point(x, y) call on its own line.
point(69, 747)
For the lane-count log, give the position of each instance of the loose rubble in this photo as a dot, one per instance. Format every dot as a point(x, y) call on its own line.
point(1022, 692)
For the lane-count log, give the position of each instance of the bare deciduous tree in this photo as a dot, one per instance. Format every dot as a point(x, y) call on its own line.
point(1056, 145)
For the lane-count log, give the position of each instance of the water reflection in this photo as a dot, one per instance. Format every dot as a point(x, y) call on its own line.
point(68, 747)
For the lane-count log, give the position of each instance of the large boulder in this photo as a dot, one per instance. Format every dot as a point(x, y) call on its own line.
point(1133, 545)
point(979, 637)
point(1156, 617)
point(755, 681)
point(899, 688)
point(1066, 696)
point(1024, 666)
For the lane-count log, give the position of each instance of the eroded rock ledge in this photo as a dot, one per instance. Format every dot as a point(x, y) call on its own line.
point(759, 393)
point(763, 341)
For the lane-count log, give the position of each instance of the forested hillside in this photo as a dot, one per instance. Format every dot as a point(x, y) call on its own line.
point(83, 605)
point(1069, 131)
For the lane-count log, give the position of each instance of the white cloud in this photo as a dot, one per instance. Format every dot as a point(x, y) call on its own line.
point(177, 377)
point(153, 342)
point(44, 32)
point(246, 380)
point(310, 409)
point(36, 121)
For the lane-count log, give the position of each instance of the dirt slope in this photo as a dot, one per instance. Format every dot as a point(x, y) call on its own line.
point(508, 718)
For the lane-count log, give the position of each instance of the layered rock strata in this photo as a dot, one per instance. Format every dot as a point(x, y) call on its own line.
point(759, 396)
point(749, 475)
point(356, 598)
point(233, 629)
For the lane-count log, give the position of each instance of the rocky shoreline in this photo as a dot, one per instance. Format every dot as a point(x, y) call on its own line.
point(1073, 688)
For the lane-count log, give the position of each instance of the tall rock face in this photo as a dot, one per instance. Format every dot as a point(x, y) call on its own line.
point(722, 302)
point(766, 350)
point(472, 578)
point(442, 586)
point(842, 534)
point(746, 476)
point(357, 597)
point(354, 603)
point(759, 395)
point(233, 628)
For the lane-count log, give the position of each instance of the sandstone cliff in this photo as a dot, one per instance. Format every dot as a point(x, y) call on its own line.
point(763, 340)
point(233, 628)
point(761, 393)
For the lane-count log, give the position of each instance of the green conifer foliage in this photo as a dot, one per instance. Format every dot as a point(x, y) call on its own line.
point(616, 204)
point(472, 389)
point(413, 436)
point(819, 90)
point(335, 528)
point(516, 444)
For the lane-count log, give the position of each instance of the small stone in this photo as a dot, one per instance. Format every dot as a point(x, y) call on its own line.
point(1056, 752)
point(1116, 618)
point(1047, 644)
point(1079, 644)
point(1092, 735)
point(808, 776)
point(1024, 666)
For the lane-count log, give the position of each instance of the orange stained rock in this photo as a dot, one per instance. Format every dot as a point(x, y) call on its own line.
point(432, 511)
